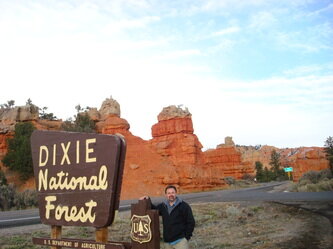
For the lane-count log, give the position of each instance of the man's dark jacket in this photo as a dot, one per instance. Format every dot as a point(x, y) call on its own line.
point(179, 223)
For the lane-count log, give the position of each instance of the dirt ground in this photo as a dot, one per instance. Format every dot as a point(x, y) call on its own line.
point(218, 225)
point(260, 225)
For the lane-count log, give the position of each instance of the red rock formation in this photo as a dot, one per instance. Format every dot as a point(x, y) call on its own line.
point(3, 146)
point(174, 154)
point(48, 125)
point(252, 154)
point(172, 126)
point(304, 159)
point(226, 162)
point(112, 125)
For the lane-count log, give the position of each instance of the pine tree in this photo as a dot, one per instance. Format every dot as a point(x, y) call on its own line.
point(18, 157)
point(259, 171)
point(329, 151)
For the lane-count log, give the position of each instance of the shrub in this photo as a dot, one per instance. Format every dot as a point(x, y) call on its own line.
point(229, 180)
point(3, 179)
point(233, 211)
point(314, 181)
point(30, 198)
point(303, 182)
point(10, 198)
point(82, 123)
point(325, 185)
point(248, 177)
point(7, 196)
point(26, 199)
point(311, 187)
point(325, 174)
point(312, 176)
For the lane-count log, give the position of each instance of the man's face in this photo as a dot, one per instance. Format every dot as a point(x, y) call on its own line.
point(171, 195)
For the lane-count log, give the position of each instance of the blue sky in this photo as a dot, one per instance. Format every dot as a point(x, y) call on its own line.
point(260, 71)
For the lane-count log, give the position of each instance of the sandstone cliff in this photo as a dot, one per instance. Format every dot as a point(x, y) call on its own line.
point(173, 155)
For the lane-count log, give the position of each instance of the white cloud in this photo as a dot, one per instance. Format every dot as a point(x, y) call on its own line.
point(120, 25)
point(226, 31)
point(328, 8)
point(222, 46)
point(262, 21)
point(301, 70)
point(309, 40)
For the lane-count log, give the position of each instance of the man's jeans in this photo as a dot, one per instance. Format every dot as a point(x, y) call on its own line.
point(183, 244)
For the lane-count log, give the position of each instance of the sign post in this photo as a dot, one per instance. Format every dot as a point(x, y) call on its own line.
point(145, 233)
point(288, 170)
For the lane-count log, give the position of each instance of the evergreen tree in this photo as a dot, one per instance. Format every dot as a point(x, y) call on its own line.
point(269, 175)
point(82, 122)
point(275, 161)
point(277, 172)
point(18, 157)
point(10, 104)
point(329, 151)
point(259, 171)
point(29, 102)
point(44, 115)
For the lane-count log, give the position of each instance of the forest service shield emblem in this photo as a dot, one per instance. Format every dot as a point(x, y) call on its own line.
point(140, 231)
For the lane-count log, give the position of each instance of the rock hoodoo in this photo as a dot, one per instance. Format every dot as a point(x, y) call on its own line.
point(109, 107)
point(173, 111)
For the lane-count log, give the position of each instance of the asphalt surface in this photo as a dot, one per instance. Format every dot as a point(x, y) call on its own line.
point(319, 202)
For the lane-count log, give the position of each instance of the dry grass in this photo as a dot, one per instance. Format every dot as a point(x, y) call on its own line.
point(218, 225)
point(243, 225)
point(314, 181)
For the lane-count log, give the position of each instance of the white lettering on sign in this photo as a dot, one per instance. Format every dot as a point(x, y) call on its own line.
point(70, 213)
point(90, 150)
point(44, 153)
point(92, 246)
point(64, 182)
point(42, 149)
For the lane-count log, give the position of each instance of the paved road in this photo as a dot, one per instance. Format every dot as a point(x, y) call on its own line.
point(320, 202)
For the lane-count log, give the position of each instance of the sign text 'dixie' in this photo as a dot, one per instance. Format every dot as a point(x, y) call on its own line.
point(78, 177)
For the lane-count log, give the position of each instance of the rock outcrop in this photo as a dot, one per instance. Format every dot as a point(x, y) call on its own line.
point(109, 107)
point(10, 116)
point(174, 154)
point(304, 159)
point(300, 159)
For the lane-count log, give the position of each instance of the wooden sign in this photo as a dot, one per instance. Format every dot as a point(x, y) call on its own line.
point(78, 177)
point(81, 244)
point(145, 233)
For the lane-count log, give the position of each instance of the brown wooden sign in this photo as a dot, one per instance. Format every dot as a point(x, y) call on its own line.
point(145, 233)
point(78, 177)
point(82, 244)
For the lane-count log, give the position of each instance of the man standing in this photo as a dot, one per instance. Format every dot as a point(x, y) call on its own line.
point(178, 220)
